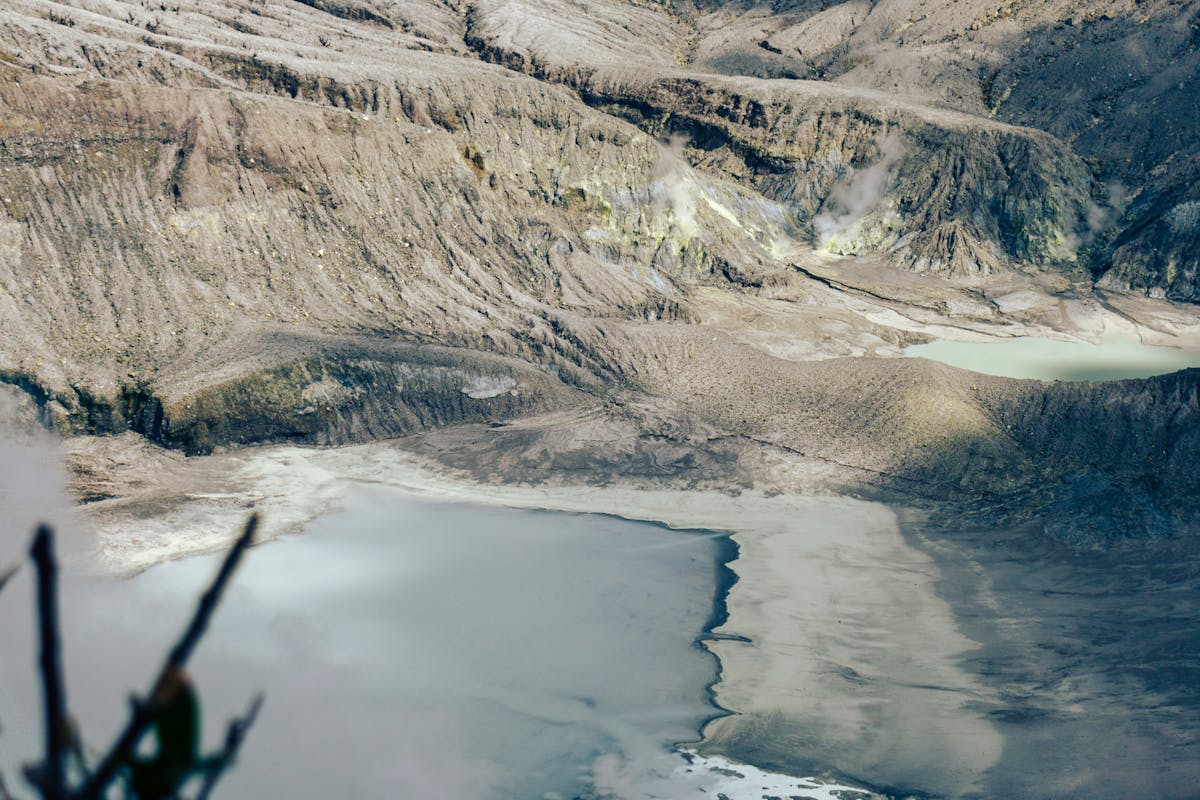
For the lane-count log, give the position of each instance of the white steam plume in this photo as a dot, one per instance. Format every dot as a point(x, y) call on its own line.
point(32, 476)
point(1101, 217)
point(859, 193)
point(671, 189)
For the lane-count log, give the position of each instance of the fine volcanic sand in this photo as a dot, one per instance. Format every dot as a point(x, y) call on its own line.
point(838, 657)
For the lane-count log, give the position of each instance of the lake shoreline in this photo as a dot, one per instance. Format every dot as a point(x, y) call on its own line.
point(1075, 647)
point(293, 485)
point(1115, 356)
point(298, 481)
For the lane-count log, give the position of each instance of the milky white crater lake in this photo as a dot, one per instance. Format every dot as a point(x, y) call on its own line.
point(445, 650)
point(410, 649)
point(1113, 358)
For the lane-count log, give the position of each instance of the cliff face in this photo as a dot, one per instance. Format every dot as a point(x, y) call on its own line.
point(233, 222)
point(1114, 81)
point(861, 170)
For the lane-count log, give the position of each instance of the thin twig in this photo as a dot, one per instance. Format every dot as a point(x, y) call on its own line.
point(77, 751)
point(5, 577)
point(54, 694)
point(234, 736)
point(210, 599)
point(143, 712)
point(4, 793)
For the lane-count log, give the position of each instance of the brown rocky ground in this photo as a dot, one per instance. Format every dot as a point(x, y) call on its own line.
point(646, 231)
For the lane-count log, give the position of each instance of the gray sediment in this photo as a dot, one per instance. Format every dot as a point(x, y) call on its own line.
point(1088, 656)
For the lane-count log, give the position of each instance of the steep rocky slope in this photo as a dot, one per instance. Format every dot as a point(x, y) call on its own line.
point(227, 223)
point(862, 170)
point(1115, 81)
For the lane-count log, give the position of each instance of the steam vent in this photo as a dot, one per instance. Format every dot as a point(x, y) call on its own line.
point(642, 398)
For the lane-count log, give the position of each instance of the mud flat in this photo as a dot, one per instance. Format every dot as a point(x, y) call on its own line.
point(1091, 656)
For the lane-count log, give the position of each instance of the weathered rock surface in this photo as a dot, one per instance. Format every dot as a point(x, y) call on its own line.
point(226, 223)
point(1114, 81)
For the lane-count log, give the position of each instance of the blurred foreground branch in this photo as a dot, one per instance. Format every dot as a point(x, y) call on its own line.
point(5, 576)
point(52, 774)
point(234, 735)
point(170, 709)
point(4, 793)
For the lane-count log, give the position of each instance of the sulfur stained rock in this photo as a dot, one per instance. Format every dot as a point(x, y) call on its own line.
point(231, 223)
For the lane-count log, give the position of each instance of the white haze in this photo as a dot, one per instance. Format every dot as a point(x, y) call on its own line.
point(32, 478)
point(407, 649)
point(671, 191)
point(859, 193)
point(1101, 217)
point(31, 488)
point(32, 485)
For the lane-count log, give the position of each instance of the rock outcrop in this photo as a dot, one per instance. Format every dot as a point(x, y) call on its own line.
point(226, 223)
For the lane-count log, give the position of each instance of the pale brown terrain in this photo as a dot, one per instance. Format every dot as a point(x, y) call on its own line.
point(685, 229)
point(661, 260)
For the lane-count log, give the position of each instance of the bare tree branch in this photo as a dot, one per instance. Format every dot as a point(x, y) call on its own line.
point(5, 576)
point(58, 742)
point(4, 793)
point(209, 600)
point(234, 735)
point(143, 711)
point(78, 751)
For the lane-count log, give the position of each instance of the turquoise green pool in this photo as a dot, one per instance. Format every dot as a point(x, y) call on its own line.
point(1115, 358)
